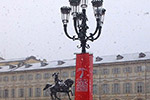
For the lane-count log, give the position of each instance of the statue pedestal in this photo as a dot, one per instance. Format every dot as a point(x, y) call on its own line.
point(84, 77)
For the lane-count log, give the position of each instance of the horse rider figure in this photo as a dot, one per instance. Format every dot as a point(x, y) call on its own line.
point(58, 82)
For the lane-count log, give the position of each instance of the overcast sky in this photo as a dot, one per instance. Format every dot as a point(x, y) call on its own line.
point(34, 27)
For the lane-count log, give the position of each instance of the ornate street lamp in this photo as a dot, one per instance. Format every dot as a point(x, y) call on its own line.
point(84, 61)
point(80, 19)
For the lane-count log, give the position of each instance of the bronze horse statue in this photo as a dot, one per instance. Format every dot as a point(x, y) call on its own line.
point(59, 87)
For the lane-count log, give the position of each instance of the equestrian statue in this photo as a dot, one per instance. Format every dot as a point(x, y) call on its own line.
point(59, 86)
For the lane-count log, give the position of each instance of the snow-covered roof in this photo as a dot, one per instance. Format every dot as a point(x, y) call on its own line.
point(72, 62)
point(11, 60)
point(17, 59)
point(2, 58)
point(124, 58)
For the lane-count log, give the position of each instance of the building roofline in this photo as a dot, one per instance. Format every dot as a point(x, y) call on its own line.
point(106, 60)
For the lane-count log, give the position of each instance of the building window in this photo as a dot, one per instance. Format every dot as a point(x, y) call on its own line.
point(46, 76)
point(13, 93)
point(38, 92)
point(127, 87)
point(95, 88)
point(116, 88)
point(139, 99)
point(14, 78)
point(30, 92)
point(73, 73)
point(148, 68)
point(127, 70)
point(141, 55)
point(0, 93)
point(116, 70)
point(0, 79)
point(21, 92)
point(46, 93)
point(139, 87)
point(95, 72)
point(30, 77)
point(38, 76)
point(105, 88)
point(105, 71)
point(6, 93)
point(147, 88)
point(21, 77)
point(6, 79)
point(119, 57)
point(99, 58)
point(139, 69)
point(65, 74)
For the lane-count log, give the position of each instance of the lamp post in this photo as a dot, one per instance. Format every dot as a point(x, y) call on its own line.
point(84, 61)
point(80, 19)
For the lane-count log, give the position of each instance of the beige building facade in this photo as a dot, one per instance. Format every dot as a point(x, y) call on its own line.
point(116, 77)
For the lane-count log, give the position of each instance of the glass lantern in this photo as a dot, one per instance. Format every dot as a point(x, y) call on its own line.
point(74, 6)
point(65, 13)
point(84, 3)
point(97, 7)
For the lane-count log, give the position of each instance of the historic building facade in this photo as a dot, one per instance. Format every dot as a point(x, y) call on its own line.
point(121, 77)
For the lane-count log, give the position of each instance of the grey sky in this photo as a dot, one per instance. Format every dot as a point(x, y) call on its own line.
point(34, 27)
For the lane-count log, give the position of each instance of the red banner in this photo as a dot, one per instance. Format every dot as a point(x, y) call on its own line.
point(84, 77)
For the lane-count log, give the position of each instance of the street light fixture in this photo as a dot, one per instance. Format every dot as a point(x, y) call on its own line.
point(80, 19)
point(74, 6)
point(65, 14)
point(84, 3)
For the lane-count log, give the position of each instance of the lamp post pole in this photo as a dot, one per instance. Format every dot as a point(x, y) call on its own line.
point(84, 60)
